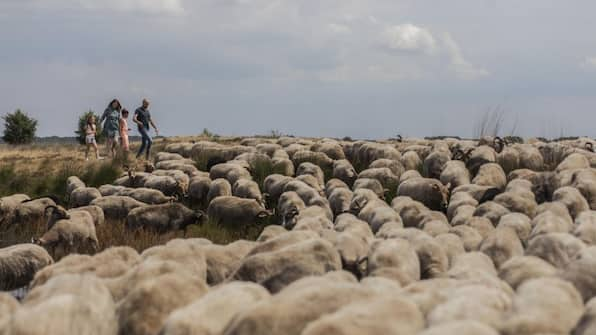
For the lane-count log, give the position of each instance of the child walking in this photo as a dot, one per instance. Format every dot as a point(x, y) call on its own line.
point(124, 131)
point(90, 132)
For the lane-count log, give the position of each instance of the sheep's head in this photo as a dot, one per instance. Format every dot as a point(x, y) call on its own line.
point(200, 216)
point(589, 146)
point(56, 213)
point(149, 167)
point(289, 218)
point(498, 144)
point(444, 194)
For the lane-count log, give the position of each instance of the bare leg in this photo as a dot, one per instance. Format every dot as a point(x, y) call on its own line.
point(87, 151)
point(96, 150)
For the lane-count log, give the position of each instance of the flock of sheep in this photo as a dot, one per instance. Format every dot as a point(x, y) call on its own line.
point(405, 236)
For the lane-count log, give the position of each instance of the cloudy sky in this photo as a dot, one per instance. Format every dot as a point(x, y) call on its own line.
point(360, 68)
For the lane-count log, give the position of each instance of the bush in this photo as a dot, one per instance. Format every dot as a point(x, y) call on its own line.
point(81, 127)
point(19, 128)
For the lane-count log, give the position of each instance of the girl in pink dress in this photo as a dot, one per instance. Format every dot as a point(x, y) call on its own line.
point(124, 131)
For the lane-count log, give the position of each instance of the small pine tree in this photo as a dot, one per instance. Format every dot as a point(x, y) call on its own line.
point(19, 128)
point(81, 128)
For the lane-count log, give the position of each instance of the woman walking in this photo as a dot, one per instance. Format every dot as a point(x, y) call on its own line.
point(111, 127)
point(143, 119)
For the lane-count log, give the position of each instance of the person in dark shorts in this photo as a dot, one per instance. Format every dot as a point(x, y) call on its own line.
point(143, 119)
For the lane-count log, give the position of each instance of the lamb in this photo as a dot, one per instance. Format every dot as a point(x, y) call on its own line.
point(68, 304)
point(236, 212)
point(117, 207)
point(248, 189)
point(520, 269)
point(148, 305)
point(276, 269)
point(30, 211)
point(389, 315)
point(68, 233)
point(163, 218)
point(19, 264)
point(72, 183)
point(371, 184)
point(344, 171)
point(204, 315)
point(83, 196)
point(430, 192)
point(544, 305)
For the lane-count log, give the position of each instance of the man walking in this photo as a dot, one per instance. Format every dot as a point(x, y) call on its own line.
point(143, 119)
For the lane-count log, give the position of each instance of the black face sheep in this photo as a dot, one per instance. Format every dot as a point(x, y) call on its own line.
point(30, 211)
point(236, 212)
point(430, 192)
point(163, 218)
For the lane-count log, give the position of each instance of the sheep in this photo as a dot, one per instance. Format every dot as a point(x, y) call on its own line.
point(312, 181)
point(117, 207)
point(586, 324)
point(184, 165)
point(30, 211)
point(271, 232)
point(455, 174)
point(462, 215)
point(411, 161)
point(556, 248)
point(411, 212)
point(331, 148)
point(580, 272)
point(371, 184)
point(68, 233)
point(8, 206)
point(585, 227)
point(178, 175)
point(573, 199)
point(491, 174)
point(466, 327)
point(492, 211)
point(389, 315)
point(479, 156)
point(377, 213)
point(267, 148)
point(219, 188)
point(8, 305)
point(166, 156)
point(307, 168)
point(289, 206)
point(83, 196)
point(306, 300)
point(394, 165)
point(167, 185)
point(509, 159)
point(384, 175)
point(433, 259)
point(248, 189)
point(163, 218)
point(236, 212)
point(148, 305)
point(479, 193)
point(430, 192)
point(305, 192)
point(360, 199)
point(19, 264)
point(222, 260)
point(334, 184)
point(395, 259)
point(147, 195)
point(544, 305)
point(501, 245)
point(520, 223)
point(95, 211)
point(204, 315)
point(231, 171)
point(198, 188)
point(530, 157)
point(110, 263)
point(452, 245)
point(520, 269)
point(68, 304)
point(318, 158)
point(549, 222)
point(277, 269)
point(274, 184)
point(72, 183)
point(132, 179)
point(457, 200)
point(518, 202)
point(315, 218)
point(434, 163)
point(470, 237)
point(283, 166)
point(107, 190)
point(339, 201)
point(344, 171)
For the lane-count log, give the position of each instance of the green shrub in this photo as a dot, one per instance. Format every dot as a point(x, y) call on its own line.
point(83, 123)
point(19, 128)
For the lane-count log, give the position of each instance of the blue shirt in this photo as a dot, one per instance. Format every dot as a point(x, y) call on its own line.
point(143, 116)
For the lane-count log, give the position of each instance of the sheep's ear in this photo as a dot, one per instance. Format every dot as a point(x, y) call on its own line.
point(436, 187)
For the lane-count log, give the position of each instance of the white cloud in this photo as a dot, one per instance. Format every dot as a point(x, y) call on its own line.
point(408, 37)
point(339, 28)
point(589, 63)
point(462, 68)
